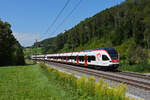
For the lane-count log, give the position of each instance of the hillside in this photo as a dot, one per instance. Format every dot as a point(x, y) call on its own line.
point(125, 27)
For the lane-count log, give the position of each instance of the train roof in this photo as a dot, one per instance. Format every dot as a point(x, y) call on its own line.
point(99, 49)
point(89, 50)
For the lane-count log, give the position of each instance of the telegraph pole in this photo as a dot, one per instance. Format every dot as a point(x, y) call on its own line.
point(36, 50)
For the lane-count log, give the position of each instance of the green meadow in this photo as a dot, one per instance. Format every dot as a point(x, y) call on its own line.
point(29, 83)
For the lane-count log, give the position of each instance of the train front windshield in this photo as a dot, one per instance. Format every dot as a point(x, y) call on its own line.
point(113, 53)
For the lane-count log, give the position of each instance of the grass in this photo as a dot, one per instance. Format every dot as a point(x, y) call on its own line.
point(29, 83)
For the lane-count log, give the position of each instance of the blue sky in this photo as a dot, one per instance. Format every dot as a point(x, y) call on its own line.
point(31, 18)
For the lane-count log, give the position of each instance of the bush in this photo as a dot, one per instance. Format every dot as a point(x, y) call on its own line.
point(136, 55)
point(88, 88)
point(42, 64)
point(142, 68)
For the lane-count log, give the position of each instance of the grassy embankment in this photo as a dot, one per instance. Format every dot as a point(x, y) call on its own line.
point(86, 88)
point(29, 83)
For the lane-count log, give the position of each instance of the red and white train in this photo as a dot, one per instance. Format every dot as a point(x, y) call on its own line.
point(107, 58)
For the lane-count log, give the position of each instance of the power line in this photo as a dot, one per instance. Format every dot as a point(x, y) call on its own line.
point(75, 7)
point(57, 16)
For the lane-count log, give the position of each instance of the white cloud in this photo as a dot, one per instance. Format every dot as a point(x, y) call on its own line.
point(27, 39)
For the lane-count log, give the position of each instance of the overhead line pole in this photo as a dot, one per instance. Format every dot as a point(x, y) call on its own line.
point(36, 49)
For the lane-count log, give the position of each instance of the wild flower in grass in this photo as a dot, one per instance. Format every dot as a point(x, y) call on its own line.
point(74, 83)
point(43, 65)
point(81, 85)
point(101, 81)
point(121, 90)
point(91, 85)
point(99, 86)
point(49, 68)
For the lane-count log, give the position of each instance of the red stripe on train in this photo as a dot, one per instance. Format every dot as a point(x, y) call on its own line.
point(115, 60)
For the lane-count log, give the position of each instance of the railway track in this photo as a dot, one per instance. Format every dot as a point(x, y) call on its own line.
point(132, 79)
point(132, 74)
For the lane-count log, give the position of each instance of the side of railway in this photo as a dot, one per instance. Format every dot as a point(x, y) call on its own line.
point(130, 80)
point(137, 86)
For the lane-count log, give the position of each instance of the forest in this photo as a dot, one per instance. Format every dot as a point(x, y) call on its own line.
point(125, 27)
point(11, 52)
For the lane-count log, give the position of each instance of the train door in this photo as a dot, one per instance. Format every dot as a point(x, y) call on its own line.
point(77, 58)
point(105, 60)
point(85, 61)
point(99, 59)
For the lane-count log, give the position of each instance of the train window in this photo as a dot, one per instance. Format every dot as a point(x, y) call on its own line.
point(91, 58)
point(79, 58)
point(105, 58)
point(69, 57)
point(75, 58)
point(113, 54)
point(82, 58)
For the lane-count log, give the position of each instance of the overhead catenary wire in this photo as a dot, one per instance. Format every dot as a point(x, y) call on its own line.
point(74, 8)
point(55, 20)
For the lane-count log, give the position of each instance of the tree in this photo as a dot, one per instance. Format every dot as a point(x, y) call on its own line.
point(11, 52)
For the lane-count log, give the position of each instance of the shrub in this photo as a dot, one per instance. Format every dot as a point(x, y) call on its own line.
point(142, 68)
point(88, 88)
point(42, 64)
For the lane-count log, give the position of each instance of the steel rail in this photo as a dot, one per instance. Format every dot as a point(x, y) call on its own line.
point(132, 74)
